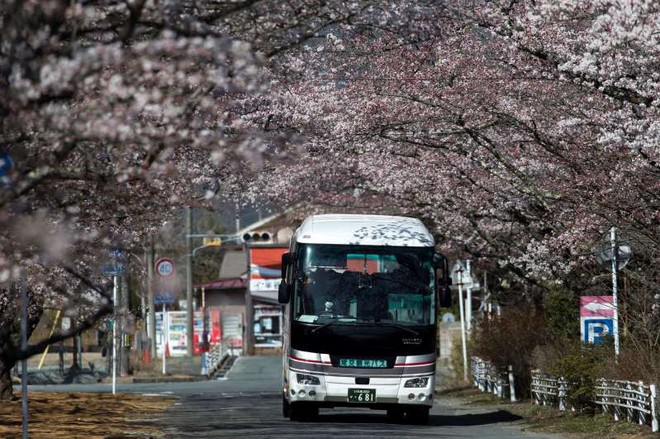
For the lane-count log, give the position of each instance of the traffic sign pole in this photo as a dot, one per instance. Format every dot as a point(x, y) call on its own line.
point(468, 300)
point(615, 291)
point(150, 294)
point(165, 334)
point(114, 334)
point(462, 312)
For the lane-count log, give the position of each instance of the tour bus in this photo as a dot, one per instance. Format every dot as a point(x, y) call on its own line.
point(361, 295)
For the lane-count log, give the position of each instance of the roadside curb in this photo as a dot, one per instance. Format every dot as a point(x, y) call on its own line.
point(168, 379)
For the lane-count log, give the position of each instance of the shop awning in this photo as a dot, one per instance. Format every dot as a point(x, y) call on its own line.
point(232, 283)
point(269, 297)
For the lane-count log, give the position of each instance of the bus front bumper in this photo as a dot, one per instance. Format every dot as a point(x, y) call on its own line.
point(331, 391)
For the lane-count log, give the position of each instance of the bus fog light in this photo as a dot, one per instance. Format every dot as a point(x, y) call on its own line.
point(308, 379)
point(293, 392)
point(312, 393)
point(421, 397)
point(301, 392)
point(417, 382)
point(411, 396)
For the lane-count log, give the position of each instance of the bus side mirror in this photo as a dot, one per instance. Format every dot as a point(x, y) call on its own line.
point(287, 261)
point(444, 293)
point(283, 293)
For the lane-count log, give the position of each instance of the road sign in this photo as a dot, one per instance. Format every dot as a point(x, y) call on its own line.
point(164, 298)
point(66, 323)
point(212, 242)
point(113, 269)
point(596, 318)
point(164, 267)
point(117, 254)
point(594, 330)
point(6, 164)
point(596, 306)
point(465, 277)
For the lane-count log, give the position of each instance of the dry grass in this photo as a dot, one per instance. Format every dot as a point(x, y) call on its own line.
point(84, 415)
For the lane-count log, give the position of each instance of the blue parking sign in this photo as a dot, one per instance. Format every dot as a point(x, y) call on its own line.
point(594, 330)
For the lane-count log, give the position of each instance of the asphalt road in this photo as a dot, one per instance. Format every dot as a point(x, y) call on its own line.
point(247, 404)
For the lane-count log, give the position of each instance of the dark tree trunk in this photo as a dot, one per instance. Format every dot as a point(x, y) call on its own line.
point(74, 363)
point(6, 388)
point(10, 334)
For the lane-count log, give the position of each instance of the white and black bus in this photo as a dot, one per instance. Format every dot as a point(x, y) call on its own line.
point(362, 294)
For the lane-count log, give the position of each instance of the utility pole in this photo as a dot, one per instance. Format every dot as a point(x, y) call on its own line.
point(238, 217)
point(248, 336)
point(150, 294)
point(125, 309)
point(115, 286)
point(468, 299)
point(189, 290)
point(462, 312)
point(24, 345)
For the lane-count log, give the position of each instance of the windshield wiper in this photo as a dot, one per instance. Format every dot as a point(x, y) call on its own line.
point(325, 325)
point(394, 325)
point(415, 284)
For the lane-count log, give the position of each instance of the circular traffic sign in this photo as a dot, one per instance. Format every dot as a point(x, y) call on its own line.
point(165, 267)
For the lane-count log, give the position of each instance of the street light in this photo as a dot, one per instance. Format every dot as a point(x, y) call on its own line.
point(460, 281)
point(201, 247)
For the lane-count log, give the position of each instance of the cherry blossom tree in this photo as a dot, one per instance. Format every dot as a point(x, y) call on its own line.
point(114, 114)
point(522, 130)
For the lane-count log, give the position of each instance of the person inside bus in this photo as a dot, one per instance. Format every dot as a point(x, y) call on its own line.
point(330, 291)
point(315, 292)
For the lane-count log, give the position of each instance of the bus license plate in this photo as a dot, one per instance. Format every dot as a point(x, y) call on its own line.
point(362, 395)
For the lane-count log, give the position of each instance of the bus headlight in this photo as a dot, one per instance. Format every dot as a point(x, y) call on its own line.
point(308, 379)
point(416, 382)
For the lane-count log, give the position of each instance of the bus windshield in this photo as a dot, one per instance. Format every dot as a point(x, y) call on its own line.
point(343, 284)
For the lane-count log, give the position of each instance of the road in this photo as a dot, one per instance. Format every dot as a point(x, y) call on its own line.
point(247, 404)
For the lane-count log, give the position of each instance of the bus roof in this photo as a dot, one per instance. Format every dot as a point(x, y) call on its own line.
point(378, 230)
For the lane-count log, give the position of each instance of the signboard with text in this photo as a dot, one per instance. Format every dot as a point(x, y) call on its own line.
point(177, 334)
point(266, 268)
point(596, 318)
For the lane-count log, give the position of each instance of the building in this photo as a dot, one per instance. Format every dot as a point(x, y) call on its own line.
point(246, 289)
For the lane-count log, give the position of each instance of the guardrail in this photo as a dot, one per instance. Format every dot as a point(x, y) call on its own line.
point(549, 390)
point(632, 401)
point(636, 402)
point(492, 379)
point(216, 355)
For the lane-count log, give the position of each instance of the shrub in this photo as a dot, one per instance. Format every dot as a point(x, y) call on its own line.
point(510, 340)
point(580, 366)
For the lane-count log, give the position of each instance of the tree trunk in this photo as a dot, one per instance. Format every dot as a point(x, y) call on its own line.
point(6, 389)
point(75, 365)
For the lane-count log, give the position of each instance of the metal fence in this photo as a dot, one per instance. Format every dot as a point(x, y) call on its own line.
point(549, 390)
point(216, 355)
point(492, 379)
point(635, 402)
point(632, 401)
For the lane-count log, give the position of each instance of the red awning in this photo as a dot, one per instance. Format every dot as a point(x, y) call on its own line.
point(231, 283)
